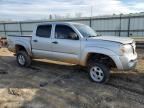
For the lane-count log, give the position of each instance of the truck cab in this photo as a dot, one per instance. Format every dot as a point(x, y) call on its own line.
point(57, 41)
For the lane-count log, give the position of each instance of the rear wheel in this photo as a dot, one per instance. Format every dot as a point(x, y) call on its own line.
point(23, 59)
point(98, 72)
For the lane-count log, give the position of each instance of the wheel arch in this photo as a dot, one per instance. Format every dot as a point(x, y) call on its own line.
point(19, 47)
point(100, 57)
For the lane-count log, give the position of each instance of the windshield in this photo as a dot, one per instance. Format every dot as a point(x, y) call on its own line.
point(85, 30)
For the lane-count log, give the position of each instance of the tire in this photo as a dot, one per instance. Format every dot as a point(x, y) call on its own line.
point(23, 59)
point(98, 72)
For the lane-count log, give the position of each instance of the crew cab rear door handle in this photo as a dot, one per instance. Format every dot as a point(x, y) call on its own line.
point(35, 40)
point(55, 42)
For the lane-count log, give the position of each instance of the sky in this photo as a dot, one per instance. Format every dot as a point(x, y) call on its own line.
point(42, 9)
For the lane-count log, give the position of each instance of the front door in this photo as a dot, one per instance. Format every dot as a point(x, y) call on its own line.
point(66, 44)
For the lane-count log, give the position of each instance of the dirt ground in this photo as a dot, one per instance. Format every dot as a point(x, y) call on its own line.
point(57, 85)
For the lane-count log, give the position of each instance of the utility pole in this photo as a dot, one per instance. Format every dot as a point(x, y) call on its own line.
point(91, 11)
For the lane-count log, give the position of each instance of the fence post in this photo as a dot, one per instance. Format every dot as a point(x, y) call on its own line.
point(128, 26)
point(4, 29)
point(20, 28)
point(120, 25)
point(90, 22)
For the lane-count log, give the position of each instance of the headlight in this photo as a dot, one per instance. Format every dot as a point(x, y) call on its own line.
point(126, 49)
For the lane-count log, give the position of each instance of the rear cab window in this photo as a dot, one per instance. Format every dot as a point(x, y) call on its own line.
point(44, 31)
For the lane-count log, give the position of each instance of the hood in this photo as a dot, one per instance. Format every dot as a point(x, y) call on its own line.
point(122, 40)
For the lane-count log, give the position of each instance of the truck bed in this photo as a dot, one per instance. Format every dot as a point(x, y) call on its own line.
point(19, 40)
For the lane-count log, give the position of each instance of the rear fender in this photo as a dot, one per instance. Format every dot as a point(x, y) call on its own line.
point(26, 45)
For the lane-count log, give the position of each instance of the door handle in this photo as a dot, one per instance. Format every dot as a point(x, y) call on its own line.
point(55, 42)
point(35, 40)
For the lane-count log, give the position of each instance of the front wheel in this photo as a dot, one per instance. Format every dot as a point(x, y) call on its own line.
point(98, 73)
point(23, 59)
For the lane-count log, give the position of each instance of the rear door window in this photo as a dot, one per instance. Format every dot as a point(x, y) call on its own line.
point(44, 31)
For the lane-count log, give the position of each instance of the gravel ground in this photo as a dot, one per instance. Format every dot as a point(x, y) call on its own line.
point(49, 84)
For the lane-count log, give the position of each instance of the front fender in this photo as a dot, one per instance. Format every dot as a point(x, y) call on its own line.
point(99, 50)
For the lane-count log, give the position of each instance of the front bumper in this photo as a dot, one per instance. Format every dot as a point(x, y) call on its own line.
point(126, 62)
point(128, 65)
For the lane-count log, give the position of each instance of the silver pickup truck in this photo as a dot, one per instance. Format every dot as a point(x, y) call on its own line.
point(76, 44)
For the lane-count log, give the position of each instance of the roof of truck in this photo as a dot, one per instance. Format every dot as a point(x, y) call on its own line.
point(59, 23)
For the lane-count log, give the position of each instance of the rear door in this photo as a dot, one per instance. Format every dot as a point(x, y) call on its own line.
point(41, 42)
point(66, 44)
